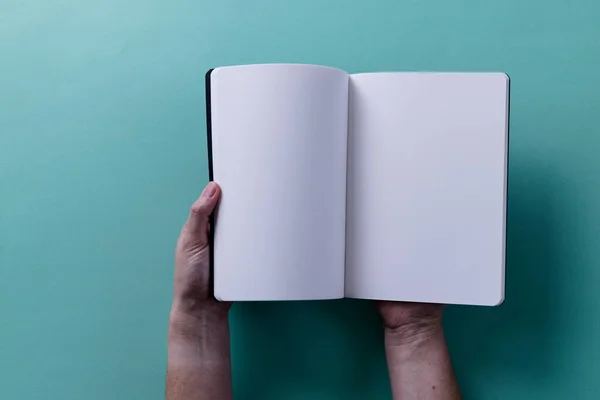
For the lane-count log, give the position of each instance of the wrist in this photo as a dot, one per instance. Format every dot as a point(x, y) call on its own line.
point(198, 341)
point(197, 322)
point(199, 308)
point(413, 333)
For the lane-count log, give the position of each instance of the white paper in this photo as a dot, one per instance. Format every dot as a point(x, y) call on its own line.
point(427, 187)
point(279, 153)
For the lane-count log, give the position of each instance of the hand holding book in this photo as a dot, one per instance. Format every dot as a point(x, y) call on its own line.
point(199, 365)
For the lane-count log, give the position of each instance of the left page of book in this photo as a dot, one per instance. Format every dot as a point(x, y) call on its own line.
point(277, 138)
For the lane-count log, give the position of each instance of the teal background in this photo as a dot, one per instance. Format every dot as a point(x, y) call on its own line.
point(102, 150)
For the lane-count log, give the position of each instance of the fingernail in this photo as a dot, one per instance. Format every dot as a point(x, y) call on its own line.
point(209, 190)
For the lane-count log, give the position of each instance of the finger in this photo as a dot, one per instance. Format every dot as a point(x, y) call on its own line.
point(200, 213)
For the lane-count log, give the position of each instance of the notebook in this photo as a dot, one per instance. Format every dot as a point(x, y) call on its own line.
point(385, 185)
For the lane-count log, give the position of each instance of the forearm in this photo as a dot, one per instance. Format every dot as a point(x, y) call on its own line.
point(199, 366)
point(419, 364)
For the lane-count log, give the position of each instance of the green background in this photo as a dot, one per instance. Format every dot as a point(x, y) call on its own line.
point(102, 150)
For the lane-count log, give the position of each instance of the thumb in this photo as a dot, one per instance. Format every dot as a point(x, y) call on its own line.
point(200, 212)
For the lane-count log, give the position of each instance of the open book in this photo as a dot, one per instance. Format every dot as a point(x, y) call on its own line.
point(386, 186)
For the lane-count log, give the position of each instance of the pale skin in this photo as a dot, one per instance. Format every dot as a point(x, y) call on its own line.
point(199, 366)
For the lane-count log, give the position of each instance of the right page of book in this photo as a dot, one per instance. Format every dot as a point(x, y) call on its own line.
point(426, 189)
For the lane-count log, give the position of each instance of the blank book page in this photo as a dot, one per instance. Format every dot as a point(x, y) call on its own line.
point(426, 195)
point(279, 153)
